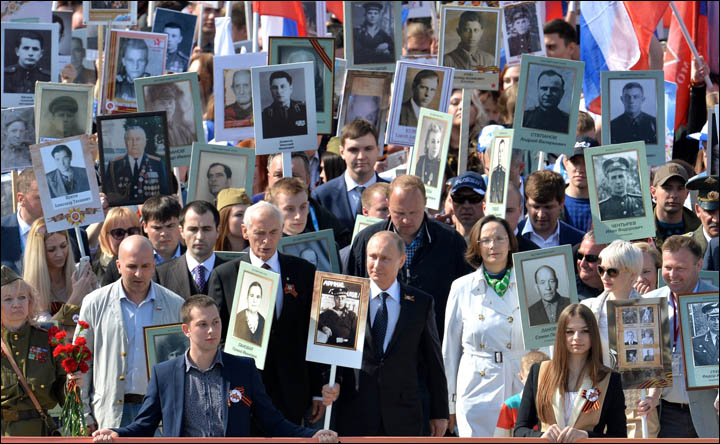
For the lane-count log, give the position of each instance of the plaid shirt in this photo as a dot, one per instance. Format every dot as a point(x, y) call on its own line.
point(415, 245)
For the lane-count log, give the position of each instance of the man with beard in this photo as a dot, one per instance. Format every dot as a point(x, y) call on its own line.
point(707, 209)
point(551, 303)
point(620, 204)
point(633, 124)
point(218, 176)
point(134, 61)
point(239, 113)
point(669, 191)
point(370, 43)
point(15, 150)
point(21, 77)
point(546, 116)
point(338, 322)
point(175, 61)
point(468, 54)
point(428, 165)
point(63, 118)
point(424, 87)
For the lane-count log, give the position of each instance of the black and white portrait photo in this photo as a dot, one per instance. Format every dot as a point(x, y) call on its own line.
point(249, 322)
point(84, 69)
point(521, 29)
point(219, 169)
point(548, 96)
point(176, 99)
point(180, 29)
point(470, 39)
point(705, 339)
point(629, 316)
point(618, 185)
point(547, 288)
point(283, 98)
point(631, 356)
point(238, 94)
point(66, 177)
point(133, 63)
point(646, 315)
point(18, 133)
point(372, 33)
point(64, 21)
point(337, 323)
point(27, 56)
point(322, 74)
point(631, 337)
point(633, 111)
point(103, 12)
point(429, 160)
point(422, 89)
point(363, 107)
point(64, 111)
point(498, 173)
point(648, 336)
point(648, 354)
point(317, 252)
point(169, 346)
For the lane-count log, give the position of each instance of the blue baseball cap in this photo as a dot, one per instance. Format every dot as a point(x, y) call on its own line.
point(486, 136)
point(469, 179)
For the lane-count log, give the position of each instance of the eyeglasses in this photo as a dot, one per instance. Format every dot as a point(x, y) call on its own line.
point(497, 240)
point(612, 272)
point(588, 257)
point(473, 200)
point(120, 233)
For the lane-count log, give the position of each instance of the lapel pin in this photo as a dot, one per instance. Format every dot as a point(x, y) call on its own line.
point(409, 298)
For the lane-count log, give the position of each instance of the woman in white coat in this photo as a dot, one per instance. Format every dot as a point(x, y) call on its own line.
point(483, 345)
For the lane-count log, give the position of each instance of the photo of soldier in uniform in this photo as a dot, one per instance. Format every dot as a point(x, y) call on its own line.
point(497, 180)
point(295, 54)
point(372, 33)
point(285, 116)
point(549, 301)
point(169, 346)
point(521, 24)
point(82, 74)
point(705, 326)
point(629, 316)
point(133, 64)
point(239, 112)
point(429, 161)
point(249, 323)
point(477, 31)
point(423, 89)
point(66, 179)
point(363, 107)
point(64, 115)
point(547, 98)
point(338, 321)
point(28, 55)
point(648, 354)
point(619, 192)
point(175, 98)
point(18, 133)
point(180, 29)
point(633, 111)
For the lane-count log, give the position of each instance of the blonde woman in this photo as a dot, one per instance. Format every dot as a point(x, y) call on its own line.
point(120, 222)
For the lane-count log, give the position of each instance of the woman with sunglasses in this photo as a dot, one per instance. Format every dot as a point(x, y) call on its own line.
point(620, 265)
point(652, 261)
point(573, 396)
point(120, 223)
point(483, 345)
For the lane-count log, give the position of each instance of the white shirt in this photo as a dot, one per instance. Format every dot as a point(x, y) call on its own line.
point(134, 318)
point(393, 307)
point(209, 264)
point(274, 264)
point(353, 193)
point(552, 241)
point(707, 236)
point(24, 228)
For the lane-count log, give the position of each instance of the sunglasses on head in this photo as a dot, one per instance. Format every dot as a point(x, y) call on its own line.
point(472, 199)
point(612, 272)
point(119, 233)
point(588, 257)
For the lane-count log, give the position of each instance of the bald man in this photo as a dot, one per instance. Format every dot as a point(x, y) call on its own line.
point(114, 387)
point(551, 304)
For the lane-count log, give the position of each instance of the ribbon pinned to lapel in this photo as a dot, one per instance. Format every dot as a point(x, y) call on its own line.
point(290, 289)
point(591, 396)
point(407, 297)
point(238, 395)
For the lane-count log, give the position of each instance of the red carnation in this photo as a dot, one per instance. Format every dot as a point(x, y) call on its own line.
point(52, 332)
point(83, 324)
point(70, 365)
point(57, 351)
point(80, 341)
point(84, 367)
point(60, 335)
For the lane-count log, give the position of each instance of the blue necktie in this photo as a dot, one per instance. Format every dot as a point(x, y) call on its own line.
point(358, 208)
point(199, 276)
point(379, 327)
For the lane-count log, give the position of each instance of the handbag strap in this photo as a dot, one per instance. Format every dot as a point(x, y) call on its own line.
point(24, 383)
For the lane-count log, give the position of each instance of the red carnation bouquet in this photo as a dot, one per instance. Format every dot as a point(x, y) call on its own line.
point(74, 357)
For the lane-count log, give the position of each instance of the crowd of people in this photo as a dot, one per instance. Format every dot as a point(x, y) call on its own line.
point(444, 351)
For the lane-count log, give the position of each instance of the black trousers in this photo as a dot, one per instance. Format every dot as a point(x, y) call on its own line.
point(676, 421)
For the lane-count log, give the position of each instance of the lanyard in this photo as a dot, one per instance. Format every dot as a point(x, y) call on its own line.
point(314, 218)
point(676, 321)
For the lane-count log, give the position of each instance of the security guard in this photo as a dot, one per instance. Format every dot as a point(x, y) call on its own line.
point(705, 347)
point(370, 43)
point(633, 124)
point(338, 322)
point(63, 110)
point(284, 117)
point(706, 208)
point(20, 78)
point(620, 204)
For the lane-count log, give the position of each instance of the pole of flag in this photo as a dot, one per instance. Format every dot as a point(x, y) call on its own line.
point(255, 36)
point(688, 39)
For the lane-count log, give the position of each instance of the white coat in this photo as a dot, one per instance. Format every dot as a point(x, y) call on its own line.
point(479, 323)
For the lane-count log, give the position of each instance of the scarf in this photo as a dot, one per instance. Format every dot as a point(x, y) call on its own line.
point(499, 284)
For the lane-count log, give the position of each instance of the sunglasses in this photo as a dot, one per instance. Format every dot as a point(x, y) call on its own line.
point(612, 272)
point(120, 233)
point(473, 200)
point(588, 257)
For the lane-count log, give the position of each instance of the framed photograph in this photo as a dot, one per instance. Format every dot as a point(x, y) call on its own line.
point(362, 222)
point(712, 149)
point(69, 192)
point(216, 167)
point(320, 51)
point(429, 154)
point(417, 86)
point(18, 133)
point(707, 276)
point(233, 95)
point(113, 12)
point(252, 313)
point(338, 320)
point(317, 247)
point(179, 96)
point(315, 18)
point(547, 104)
point(7, 204)
point(284, 107)
point(499, 177)
point(129, 55)
point(134, 160)
point(62, 110)
point(27, 12)
point(373, 35)
point(180, 29)
point(64, 20)
point(228, 255)
point(338, 85)
point(82, 59)
point(522, 27)
point(633, 109)
point(699, 326)
point(470, 43)
point(619, 183)
point(163, 343)
point(29, 55)
point(366, 95)
point(546, 285)
point(639, 342)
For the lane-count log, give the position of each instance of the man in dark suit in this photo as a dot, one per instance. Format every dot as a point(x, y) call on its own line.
point(546, 115)
point(705, 347)
point(284, 117)
point(234, 383)
point(424, 87)
point(359, 149)
point(290, 380)
point(384, 398)
point(551, 303)
point(633, 124)
point(66, 179)
point(189, 274)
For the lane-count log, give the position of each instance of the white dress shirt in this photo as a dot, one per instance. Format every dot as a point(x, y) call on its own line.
point(552, 241)
point(393, 307)
point(274, 264)
point(24, 228)
point(135, 318)
point(209, 264)
point(353, 193)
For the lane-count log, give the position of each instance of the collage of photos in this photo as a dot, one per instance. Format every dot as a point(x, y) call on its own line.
point(638, 343)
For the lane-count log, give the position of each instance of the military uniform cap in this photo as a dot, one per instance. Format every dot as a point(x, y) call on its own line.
point(63, 103)
point(337, 291)
point(708, 194)
point(711, 309)
point(618, 163)
point(9, 276)
point(518, 11)
point(372, 5)
point(232, 196)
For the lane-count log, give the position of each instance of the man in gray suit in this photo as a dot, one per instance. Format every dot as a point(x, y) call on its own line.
point(66, 179)
point(551, 303)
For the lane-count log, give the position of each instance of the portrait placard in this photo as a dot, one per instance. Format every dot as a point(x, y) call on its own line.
point(417, 86)
point(6, 194)
point(134, 159)
point(179, 96)
point(547, 104)
point(228, 256)
point(180, 29)
point(104, 12)
point(233, 95)
point(373, 35)
point(633, 109)
point(429, 154)
point(470, 43)
point(27, 12)
point(319, 51)
point(708, 276)
point(129, 55)
point(66, 181)
point(619, 183)
point(315, 18)
point(18, 133)
point(317, 247)
point(499, 177)
point(366, 95)
point(338, 85)
point(82, 58)
point(62, 110)
point(546, 285)
point(64, 19)
point(362, 222)
point(712, 149)
point(522, 28)
point(284, 107)
point(29, 54)
point(216, 167)
point(162, 343)
point(639, 342)
point(699, 326)
point(252, 313)
point(338, 320)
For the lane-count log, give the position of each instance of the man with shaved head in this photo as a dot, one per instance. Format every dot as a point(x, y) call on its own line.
point(114, 388)
point(551, 304)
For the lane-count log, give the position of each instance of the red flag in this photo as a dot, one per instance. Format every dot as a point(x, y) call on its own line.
point(336, 8)
point(645, 17)
point(288, 10)
point(553, 10)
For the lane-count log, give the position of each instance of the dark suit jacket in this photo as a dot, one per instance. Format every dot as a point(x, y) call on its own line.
point(525, 244)
point(407, 114)
point(711, 262)
point(569, 235)
point(165, 399)
point(243, 331)
point(537, 313)
point(388, 390)
point(175, 276)
point(290, 380)
point(334, 196)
